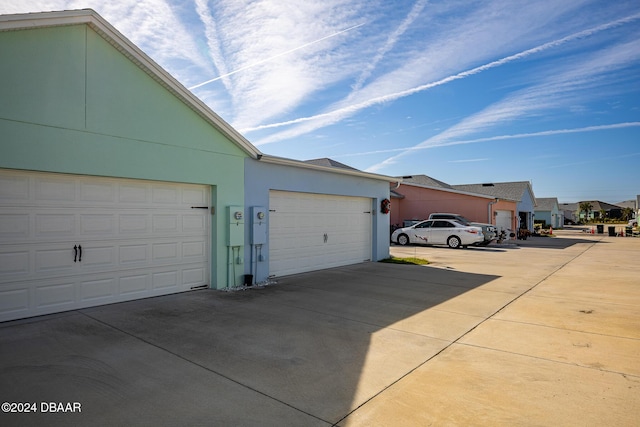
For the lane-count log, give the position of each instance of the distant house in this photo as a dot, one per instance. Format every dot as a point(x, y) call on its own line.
point(570, 212)
point(520, 191)
point(548, 210)
point(599, 210)
point(633, 204)
point(418, 196)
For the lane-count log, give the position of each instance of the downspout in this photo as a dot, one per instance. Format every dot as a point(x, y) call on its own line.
point(490, 217)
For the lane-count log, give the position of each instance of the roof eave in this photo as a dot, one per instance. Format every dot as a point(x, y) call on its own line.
point(300, 164)
point(452, 190)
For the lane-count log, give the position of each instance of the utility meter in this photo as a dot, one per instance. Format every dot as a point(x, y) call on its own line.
point(235, 226)
point(258, 225)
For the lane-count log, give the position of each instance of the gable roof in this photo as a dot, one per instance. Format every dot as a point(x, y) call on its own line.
point(500, 190)
point(347, 170)
point(597, 205)
point(98, 24)
point(568, 206)
point(546, 203)
point(330, 163)
point(425, 181)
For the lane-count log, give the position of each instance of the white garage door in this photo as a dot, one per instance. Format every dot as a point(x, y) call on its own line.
point(315, 231)
point(503, 220)
point(69, 242)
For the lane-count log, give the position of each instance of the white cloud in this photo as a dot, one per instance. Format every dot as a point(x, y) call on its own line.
point(462, 41)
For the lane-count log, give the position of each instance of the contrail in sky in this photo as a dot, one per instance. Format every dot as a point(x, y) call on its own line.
point(400, 94)
point(502, 137)
point(276, 56)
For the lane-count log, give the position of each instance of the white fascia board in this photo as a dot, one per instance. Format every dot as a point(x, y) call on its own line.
point(135, 54)
point(300, 164)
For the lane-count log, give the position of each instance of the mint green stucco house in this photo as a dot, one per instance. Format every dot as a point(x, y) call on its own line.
point(116, 183)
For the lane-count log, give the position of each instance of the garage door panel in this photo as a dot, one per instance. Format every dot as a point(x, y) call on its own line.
point(14, 226)
point(98, 225)
point(49, 225)
point(134, 194)
point(14, 303)
point(134, 284)
point(99, 257)
point(49, 189)
point(164, 280)
point(165, 195)
point(14, 188)
point(96, 290)
point(104, 191)
point(55, 259)
point(59, 295)
point(193, 276)
point(138, 238)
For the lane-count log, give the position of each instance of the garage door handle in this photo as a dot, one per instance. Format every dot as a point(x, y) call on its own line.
point(326, 237)
point(80, 255)
point(75, 253)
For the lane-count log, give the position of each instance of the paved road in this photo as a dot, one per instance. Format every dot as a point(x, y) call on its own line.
point(542, 332)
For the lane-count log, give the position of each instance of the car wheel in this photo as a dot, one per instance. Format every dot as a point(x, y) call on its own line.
point(403, 240)
point(453, 242)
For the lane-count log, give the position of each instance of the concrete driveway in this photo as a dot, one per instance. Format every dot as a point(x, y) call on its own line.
point(542, 332)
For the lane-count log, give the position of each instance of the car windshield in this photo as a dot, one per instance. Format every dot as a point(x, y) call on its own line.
point(463, 220)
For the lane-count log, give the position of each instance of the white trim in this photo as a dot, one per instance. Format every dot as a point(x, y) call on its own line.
point(136, 55)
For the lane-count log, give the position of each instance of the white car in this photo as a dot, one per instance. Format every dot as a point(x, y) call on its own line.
point(439, 232)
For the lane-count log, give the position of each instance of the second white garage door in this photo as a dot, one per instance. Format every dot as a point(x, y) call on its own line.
point(314, 231)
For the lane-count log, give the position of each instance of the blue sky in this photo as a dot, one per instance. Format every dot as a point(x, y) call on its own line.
point(462, 91)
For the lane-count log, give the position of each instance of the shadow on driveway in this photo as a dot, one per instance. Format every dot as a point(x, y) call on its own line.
point(306, 351)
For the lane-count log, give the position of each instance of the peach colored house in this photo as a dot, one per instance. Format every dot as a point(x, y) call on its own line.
point(420, 195)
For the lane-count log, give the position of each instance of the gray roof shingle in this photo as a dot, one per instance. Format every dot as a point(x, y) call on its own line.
point(501, 190)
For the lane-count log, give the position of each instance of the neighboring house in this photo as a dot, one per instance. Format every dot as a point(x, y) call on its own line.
point(570, 212)
point(419, 195)
point(114, 178)
point(316, 214)
point(599, 210)
point(548, 210)
point(632, 204)
point(520, 191)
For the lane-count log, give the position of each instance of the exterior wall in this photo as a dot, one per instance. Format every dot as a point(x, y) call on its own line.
point(554, 218)
point(260, 177)
point(419, 202)
point(526, 207)
point(72, 103)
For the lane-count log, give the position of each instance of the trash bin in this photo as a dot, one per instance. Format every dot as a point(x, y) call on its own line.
point(600, 228)
point(612, 232)
point(248, 279)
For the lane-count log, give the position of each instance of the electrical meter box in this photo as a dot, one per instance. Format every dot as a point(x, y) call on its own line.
point(258, 225)
point(235, 226)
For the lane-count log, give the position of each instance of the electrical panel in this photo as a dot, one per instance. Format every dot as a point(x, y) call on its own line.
point(235, 226)
point(258, 225)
